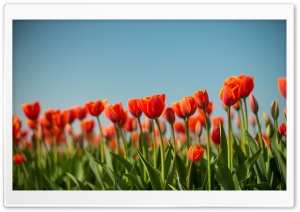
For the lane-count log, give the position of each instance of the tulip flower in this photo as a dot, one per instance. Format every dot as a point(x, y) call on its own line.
point(216, 121)
point(247, 85)
point(274, 109)
point(198, 129)
point(236, 105)
point(252, 120)
point(96, 108)
point(282, 86)
point(195, 154)
point(179, 127)
point(215, 135)
point(59, 120)
point(186, 107)
point(115, 113)
point(230, 92)
point(169, 115)
point(130, 124)
point(209, 108)
point(32, 110)
point(69, 116)
point(153, 106)
point(18, 159)
point(80, 112)
point(135, 108)
point(282, 129)
point(253, 104)
point(201, 99)
point(88, 125)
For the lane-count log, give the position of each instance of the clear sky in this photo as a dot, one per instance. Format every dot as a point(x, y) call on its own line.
point(62, 64)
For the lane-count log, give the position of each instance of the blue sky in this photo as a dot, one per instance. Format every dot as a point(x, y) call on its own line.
point(62, 64)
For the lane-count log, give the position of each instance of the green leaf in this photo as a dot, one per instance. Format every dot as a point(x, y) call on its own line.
point(95, 167)
point(170, 175)
point(136, 181)
point(280, 159)
point(168, 157)
point(50, 185)
point(77, 182)
point(123, 161)
point(240, 154)
point(122, 185)
point(91, 186)
point(107, 157)
point(173, 188)
point(223, 146)
point(259, 166)
point(181, 170)
point(152, 173)
point(243, 171)
point(223, 176)
point(259, 186)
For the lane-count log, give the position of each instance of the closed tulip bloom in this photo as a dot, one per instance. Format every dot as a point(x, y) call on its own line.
point(230, 92)
point(48, 114)
point(115, 113)
point(198, 128)
point(70, 115)
point(31, 124)
point(282, 86)
point(201, 98)
point(88, 125)
point(217, 120)
point(135, 108)
point(266, 119)
point(18, 159)
point(179, 127)
point(215, 135)
point(253, 104)
point(247, 85)
point(274, 109)
point(130, 124)
point(59, 120)
point(186, 107)
point(238, 122)
point(169, 115)
point(282, 129)
point(80, 112)
point(237, 105)
point(252, 120)
point(45, 123)
point(196, 153)
point(32, 110)
point(153, 106)
point(96, 108)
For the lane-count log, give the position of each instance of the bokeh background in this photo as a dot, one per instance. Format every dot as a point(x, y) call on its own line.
point(62, 64)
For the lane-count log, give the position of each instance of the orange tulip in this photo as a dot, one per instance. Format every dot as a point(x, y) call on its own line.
point(88, 125)
point(215, 135)
point(135, 108)
point(32, 111)
point(18, 158)
point(196, 153)
point(209, 108)
point(253, 104)
point(45, 122)
point(115, 113)
point(201, 99)
point(186, 107)
point(153, 106)
point(130, 124)
point(59, 120)
point(31, 124)
point(247, 85)
point(96, 108)
point(80, 112)
point(217, 120)
point(169, 115)
point(230, 92)
point(237, 105)
point(282, 86)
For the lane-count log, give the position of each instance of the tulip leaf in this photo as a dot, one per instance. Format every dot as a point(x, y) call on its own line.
point(223, 146)
point(50, 185)
point(240, 154)
point(181, 170)
point(243, 171)
point(95, 167)
point(170, 175)
point(223, 176)
point(152, 173)
point(259, 166)
point(168, 157)
point(107, 157)
point(259, 186)
point(119, 182)
point(91, 186)
point(280, 159)
point(136, 181)
point(77, 182)
point(123, 161)
point(173, 188)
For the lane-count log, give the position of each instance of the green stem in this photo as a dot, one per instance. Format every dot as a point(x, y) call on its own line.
point(243, 127)
point(154, 146)
point(101, 140)
point(174, 146)
point(208, 150)
point(229, 141)
point(260, 135)
point(118, 141)
point(246, 113)
point(124, 141)
point(189, 176)
point(162, 153)
point(19, 175)
point(143, 147)
point(187, 138)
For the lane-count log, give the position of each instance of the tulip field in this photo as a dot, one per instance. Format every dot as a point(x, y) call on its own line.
point(175, 147)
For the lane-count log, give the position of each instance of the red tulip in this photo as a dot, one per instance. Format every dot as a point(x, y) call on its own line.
point(45, 122)
point(59, 120)
point(215, 135)
point(69, 115)
point(196, 153)
point(115, 113)
point(130, 124)
point(96, 108)
point(16, 125)
point(186, 107)
point(209, 108)
point(201, 99)
point(169, 115)
point(32, 111)
point(88, 125)
point(217, 120)
point(230, 92)
point(253, 104)
point(49, 113)
point(282, 129)
point(282, 86)
point(179, 127)
point(31, 124)
point(80, 112)
point(135, 108)
point(247, 85)
point(153, 106)
point(237, 105)
point(18, 158)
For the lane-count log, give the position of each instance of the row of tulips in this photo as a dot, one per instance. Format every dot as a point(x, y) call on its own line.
point(135, 154)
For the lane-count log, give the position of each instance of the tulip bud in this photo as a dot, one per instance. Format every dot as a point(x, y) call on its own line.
point(198, 129)
point(216, 135)
point(270, 131)
point(253, 104)
point(267, 119)
point(274, 109)
point(169, 115)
